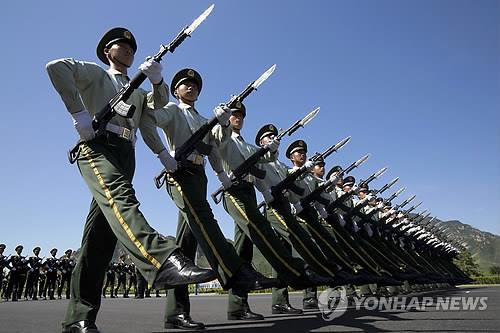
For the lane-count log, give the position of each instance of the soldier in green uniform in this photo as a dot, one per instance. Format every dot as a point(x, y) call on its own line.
point(66, 265)
point(122, 276)
point(110, 280)
point(251, 227)
point(292, 233)
point(187, 186)
point(51, 265)
point(132, 279)
point(107, 164)
point(18, 269)
point(35, 263)
point(4, 263)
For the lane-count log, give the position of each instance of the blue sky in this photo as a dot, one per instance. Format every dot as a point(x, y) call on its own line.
point(415, 83)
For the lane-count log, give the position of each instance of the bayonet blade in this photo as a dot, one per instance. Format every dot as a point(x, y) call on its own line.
point(309, 117)
point(189, 30)
point(392, 182)
point(416, 206)
point(411, 198)
point(401, 190)
point(380, 172)
point(263, 77)
point(361, 160)
point(341, 143)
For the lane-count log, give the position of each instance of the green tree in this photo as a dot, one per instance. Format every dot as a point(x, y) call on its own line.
point(495, 270)
point(466, 262)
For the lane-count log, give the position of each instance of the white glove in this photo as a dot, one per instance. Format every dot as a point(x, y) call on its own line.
point(334, 178)
point(309, 165)
point(152, 70)
point(222, 112)
point(168, 161)
point(323, 213)
point(298, 207)
point(273, 145)
point(268, 196)
point(83, 124)
point(224, 179)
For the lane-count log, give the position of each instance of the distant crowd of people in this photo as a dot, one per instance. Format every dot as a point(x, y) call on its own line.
point(36, 277)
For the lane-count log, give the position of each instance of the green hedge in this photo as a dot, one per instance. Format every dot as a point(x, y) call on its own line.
point(492, 279)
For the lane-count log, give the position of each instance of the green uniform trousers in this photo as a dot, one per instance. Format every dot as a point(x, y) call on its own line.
point(286, 225)
point(252, 227)
point(107, 165)
point(327, 243)
point(300, 241)
point(197, 225)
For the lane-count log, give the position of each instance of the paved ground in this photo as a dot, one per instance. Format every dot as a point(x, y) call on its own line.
point(130, 315)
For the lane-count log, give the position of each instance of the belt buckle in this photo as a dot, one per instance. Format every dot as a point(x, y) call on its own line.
point(126, 133)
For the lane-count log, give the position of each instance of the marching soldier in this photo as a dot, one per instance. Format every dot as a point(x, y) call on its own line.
point(142, 284)
point(251, 227)
point(3, 264)
point(292, 233)
point(66, 265)
point(35, 264)
point(132, 279)
point(120, 269)
point(42, 280)
point(51, 266)
point(107, 164)
point(110, 279)
point(187, 186)
point(18, 269)
point(297, 153)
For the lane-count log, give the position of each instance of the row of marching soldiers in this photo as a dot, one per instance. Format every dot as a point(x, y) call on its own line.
point(330, 239)
point(38, 277)
point(116, 278)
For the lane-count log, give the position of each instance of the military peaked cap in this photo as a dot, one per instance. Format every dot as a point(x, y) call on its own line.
point(112, 36)
point(296, 146)
point(349, 181)
point(186, 74)
point(264, 131)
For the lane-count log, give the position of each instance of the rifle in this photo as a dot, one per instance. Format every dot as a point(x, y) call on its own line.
point(420, 218)
point(404, 203)
point(195, 141)
point(117, 104)
point(406, 212)
point(362, 203)
point(395, 194)
point(316, 194)
point(289, 181)
point(338, 202)
point(248, 166)
point(392, 197)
